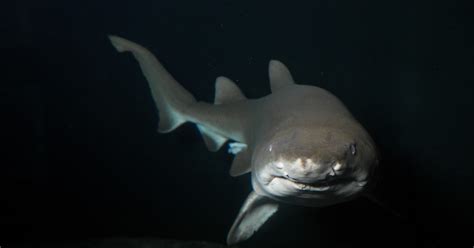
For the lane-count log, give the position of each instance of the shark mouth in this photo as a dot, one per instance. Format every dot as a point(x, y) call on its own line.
point(321, 185)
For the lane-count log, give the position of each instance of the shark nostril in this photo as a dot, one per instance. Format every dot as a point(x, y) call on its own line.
point(338, 167)
point(331, 172)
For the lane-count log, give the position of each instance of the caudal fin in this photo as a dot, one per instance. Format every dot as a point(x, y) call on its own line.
point(170, 97)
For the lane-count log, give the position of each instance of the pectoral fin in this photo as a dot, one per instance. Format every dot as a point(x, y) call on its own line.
point(255, 211)
point(241, 163)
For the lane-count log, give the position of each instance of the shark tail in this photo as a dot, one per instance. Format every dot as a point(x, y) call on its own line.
point(171, 99)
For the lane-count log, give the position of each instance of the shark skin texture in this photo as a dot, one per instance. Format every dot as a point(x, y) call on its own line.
point(300, 144)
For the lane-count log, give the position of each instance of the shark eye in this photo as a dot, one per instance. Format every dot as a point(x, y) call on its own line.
point(352, 149)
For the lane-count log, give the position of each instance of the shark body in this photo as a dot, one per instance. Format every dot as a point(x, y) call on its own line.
point(300, 143)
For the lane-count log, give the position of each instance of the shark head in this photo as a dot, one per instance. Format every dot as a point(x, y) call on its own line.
point(314, 166)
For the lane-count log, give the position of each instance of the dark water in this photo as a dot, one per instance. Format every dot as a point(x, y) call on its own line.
point(82, 160)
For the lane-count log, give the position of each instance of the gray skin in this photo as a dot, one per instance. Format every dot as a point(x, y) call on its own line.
point(300, 143)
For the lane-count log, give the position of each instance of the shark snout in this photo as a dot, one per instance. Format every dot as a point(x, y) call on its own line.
point(308, 171)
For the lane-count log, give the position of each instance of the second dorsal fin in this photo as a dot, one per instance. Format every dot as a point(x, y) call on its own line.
point(279, 75)
point(227, 91)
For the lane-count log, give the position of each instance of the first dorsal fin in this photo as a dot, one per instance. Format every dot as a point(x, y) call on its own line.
point(279, 75)
point(227, 91)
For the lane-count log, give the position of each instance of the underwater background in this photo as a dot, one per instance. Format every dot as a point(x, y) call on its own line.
point(82, 162)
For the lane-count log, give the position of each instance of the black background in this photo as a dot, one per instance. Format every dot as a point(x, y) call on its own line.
point(81, 157)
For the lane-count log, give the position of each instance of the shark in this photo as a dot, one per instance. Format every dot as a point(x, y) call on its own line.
point(300, 144)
